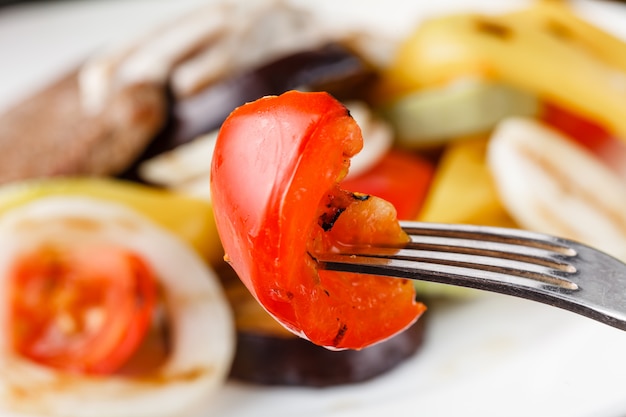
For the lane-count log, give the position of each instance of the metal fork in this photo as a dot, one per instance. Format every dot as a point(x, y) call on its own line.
point(535, 266)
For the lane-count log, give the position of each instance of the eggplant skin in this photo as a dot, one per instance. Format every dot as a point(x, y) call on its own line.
point(291, 361)
point(333, 67)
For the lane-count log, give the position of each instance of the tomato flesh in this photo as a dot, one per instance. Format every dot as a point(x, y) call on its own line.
point(275, 180)
point(400, 177)
point(80, 309)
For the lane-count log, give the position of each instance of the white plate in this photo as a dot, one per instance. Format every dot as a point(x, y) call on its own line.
point(488, 356)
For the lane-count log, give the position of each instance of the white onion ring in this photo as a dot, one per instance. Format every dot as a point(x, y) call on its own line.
point(202, 328)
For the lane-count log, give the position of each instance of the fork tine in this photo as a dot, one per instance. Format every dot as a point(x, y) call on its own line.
point(515, 252)
point(422, 230)
point(468, 253)
point(465, 270)
point(500, 264)
point(538, 267)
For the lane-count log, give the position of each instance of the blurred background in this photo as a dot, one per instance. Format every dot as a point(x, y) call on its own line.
point(488, 355)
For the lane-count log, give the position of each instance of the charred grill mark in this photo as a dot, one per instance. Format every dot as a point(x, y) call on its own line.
point(184, 376)
point(327, 220)
point(340, 334)
point(568, 187)
point(348, 112)
point(360, 196)
point(559, 30)
point(494, 29)
point(336, 205)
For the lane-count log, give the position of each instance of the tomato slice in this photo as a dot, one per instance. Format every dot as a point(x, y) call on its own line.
point(400, 177)
point(591, 135)
point(80, 309)
point(275, 180)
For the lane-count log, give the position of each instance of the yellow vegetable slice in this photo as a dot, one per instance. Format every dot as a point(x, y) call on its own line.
point(188, 218)
point(463, 190)
point(546, 50)
point(563, 23)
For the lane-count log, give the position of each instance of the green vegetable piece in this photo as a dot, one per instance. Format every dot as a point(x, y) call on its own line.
point(466, 107)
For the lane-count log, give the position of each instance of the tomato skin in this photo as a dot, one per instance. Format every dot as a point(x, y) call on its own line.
point(277, 161)
point(80, 309)
point(400, 177)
